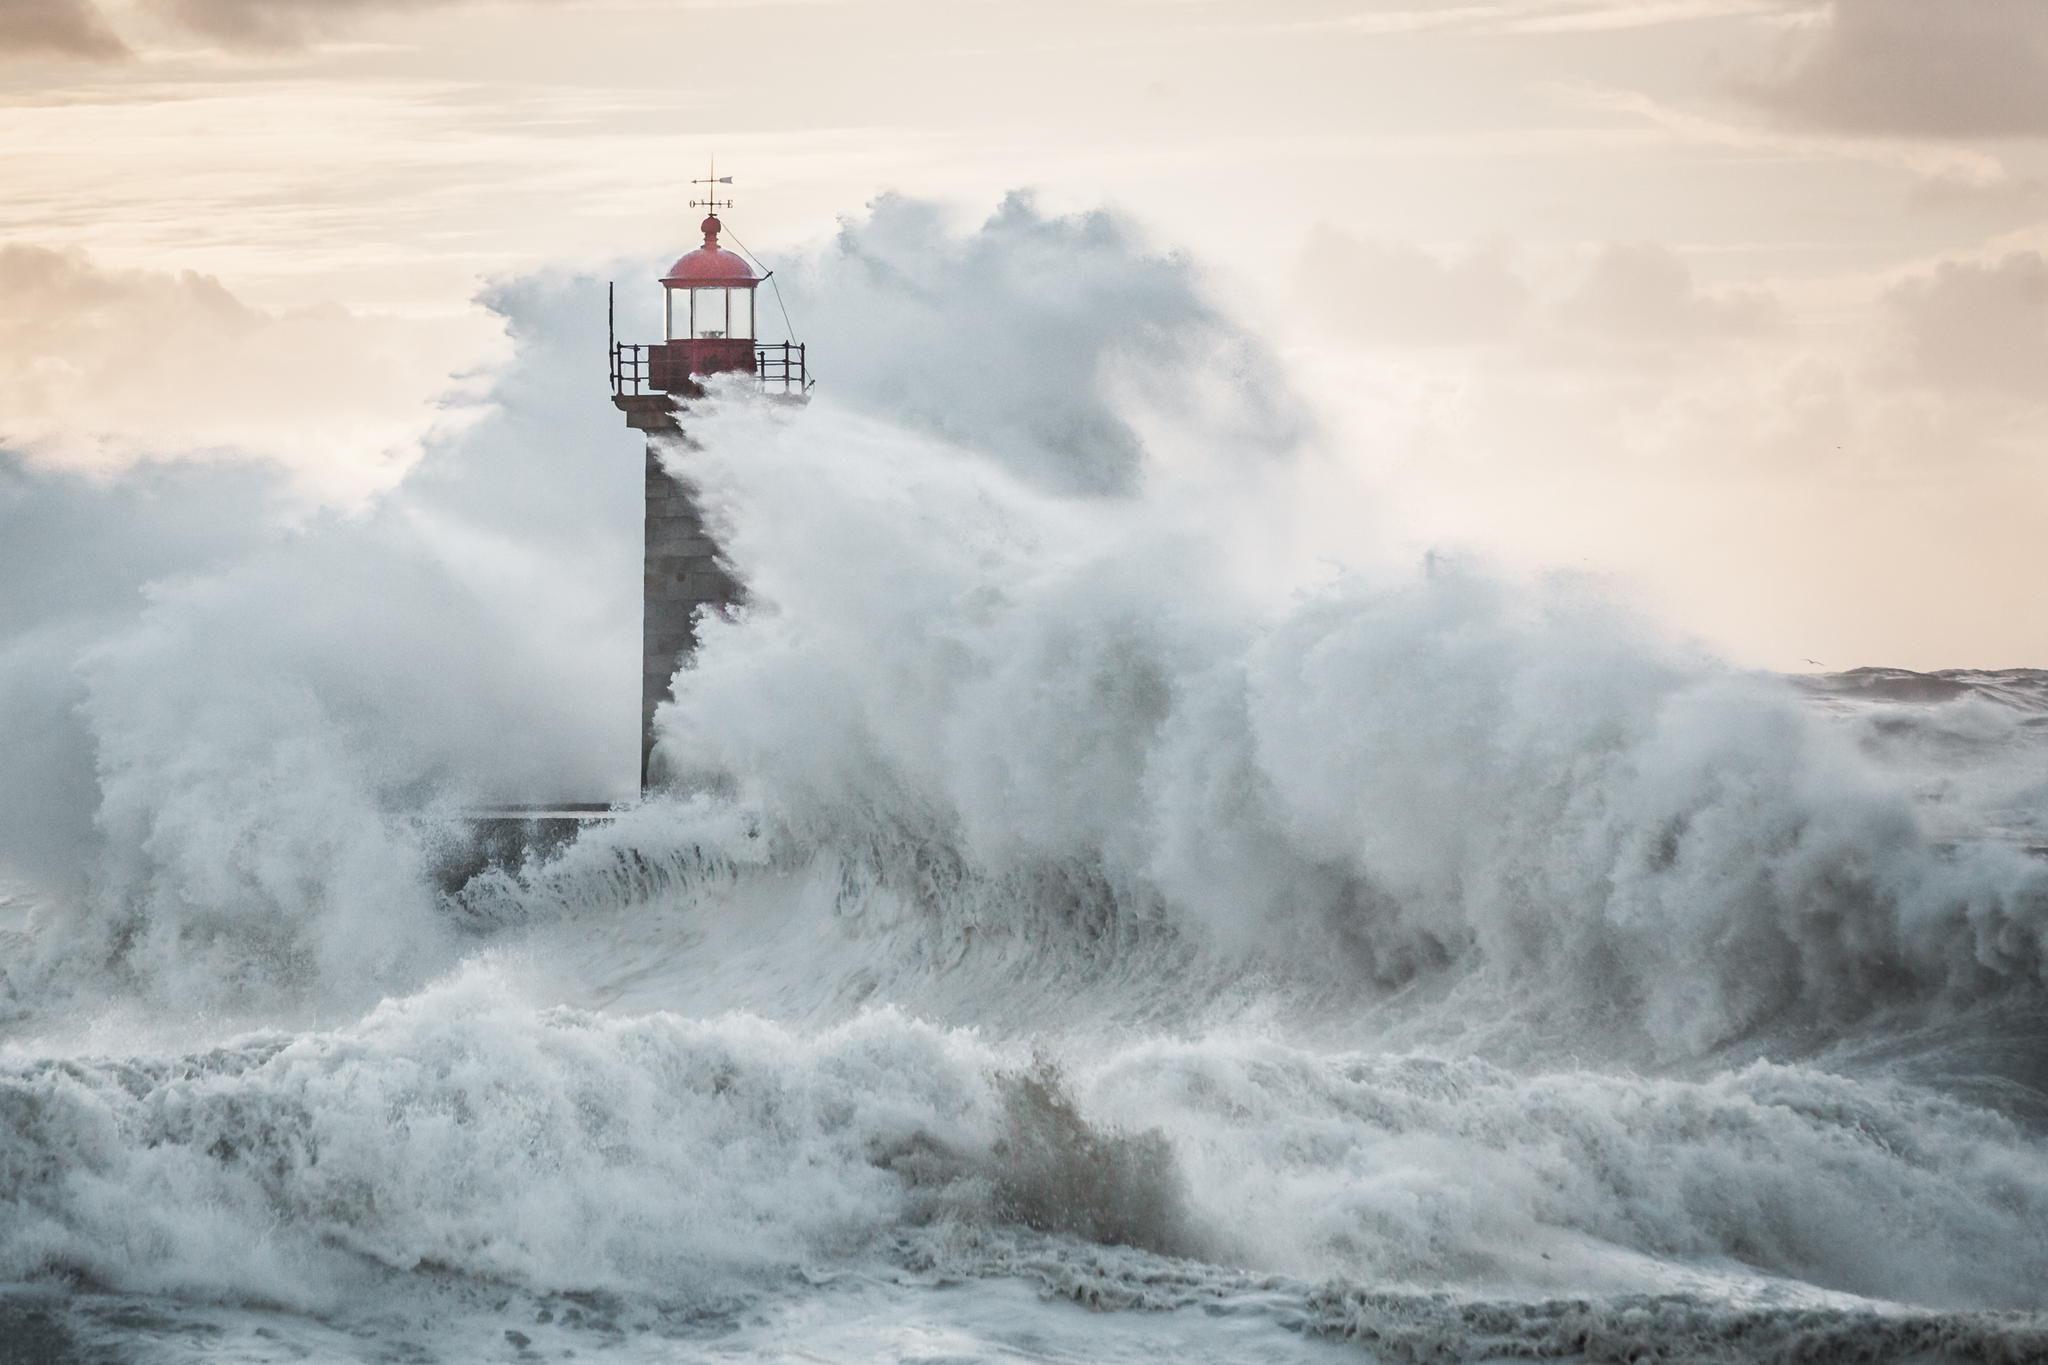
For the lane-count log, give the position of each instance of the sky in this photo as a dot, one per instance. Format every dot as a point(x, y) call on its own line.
point(1741, 305)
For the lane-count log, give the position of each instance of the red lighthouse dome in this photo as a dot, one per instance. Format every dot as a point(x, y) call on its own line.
point(711, 264)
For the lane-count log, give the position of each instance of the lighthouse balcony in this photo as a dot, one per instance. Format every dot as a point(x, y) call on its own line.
point(677, 367)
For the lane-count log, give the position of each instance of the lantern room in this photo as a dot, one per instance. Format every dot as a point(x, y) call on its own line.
point(710, 325)
point(710, 305)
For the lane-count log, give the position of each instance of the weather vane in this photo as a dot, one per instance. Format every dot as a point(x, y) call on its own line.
point(711, 200)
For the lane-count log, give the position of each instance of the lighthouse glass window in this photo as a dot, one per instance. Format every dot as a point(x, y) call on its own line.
point(707, 312)
point(710, 313)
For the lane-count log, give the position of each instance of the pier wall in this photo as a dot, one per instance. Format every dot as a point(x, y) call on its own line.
point(683, 576)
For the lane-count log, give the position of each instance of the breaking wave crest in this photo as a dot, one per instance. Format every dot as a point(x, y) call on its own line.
point(1043, 722)
point(559, 1148)
point(696, 1164)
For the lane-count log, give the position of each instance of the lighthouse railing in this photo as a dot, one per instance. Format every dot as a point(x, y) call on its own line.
point(778, 365)
point(629, 369)
point(782, 363)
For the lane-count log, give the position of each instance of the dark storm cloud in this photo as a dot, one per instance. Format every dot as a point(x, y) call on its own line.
point(69, 28)
point(1916, 68)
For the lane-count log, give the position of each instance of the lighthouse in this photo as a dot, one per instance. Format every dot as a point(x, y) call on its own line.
point(710, 327)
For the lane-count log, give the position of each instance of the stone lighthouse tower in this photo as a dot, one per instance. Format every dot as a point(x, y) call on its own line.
point(710, 317)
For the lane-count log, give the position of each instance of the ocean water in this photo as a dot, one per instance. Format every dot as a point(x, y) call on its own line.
point(1075, 935)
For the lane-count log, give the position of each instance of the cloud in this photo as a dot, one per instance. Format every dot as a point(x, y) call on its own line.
point(2009, 199)
point(1925, 158)
point(1911, 68)
point(1977, 326)
point(279, 23)
point(82, 28)
point(1630, 300)
point(1642, 293)
point(69, 28)
point(270, 24)
point(1397, 294)
point(1604, 16)
point(1509, 17)
point(102, 367)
